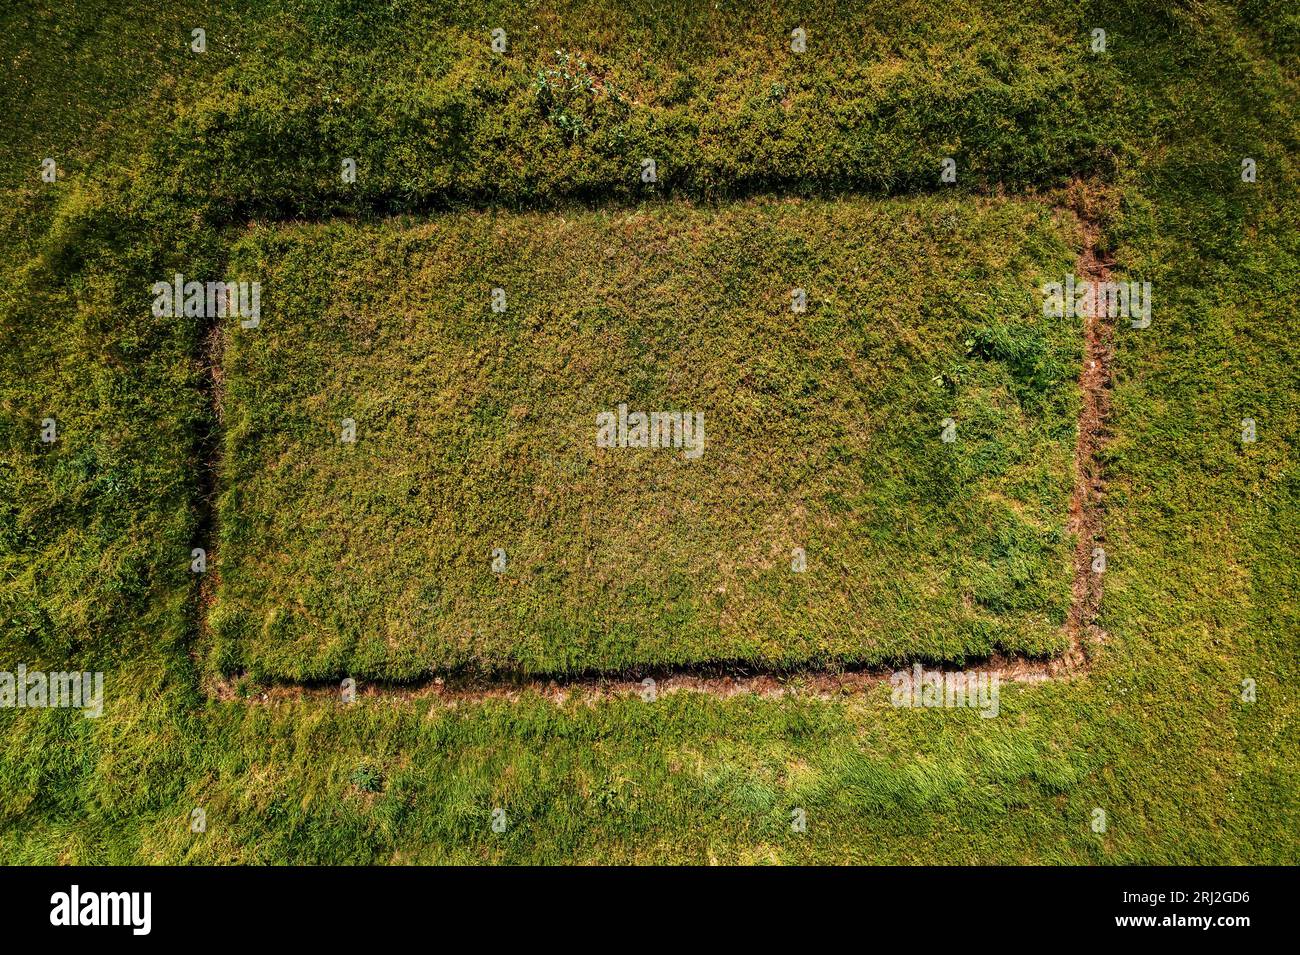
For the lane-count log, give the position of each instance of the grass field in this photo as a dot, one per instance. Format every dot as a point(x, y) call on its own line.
point(775, 170)
point(476, 431)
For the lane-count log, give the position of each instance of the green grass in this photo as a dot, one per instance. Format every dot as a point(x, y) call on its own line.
point(1202, 533)
point(477, 430)
point(576, 103)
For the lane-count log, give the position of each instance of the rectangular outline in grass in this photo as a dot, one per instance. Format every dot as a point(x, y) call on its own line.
point(724, 680)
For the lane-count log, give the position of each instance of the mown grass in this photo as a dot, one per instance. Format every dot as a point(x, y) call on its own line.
point(1201, 531)
point(476, 430)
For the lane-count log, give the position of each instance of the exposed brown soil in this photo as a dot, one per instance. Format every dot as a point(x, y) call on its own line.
point(1087, 504)
point(818, 684)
